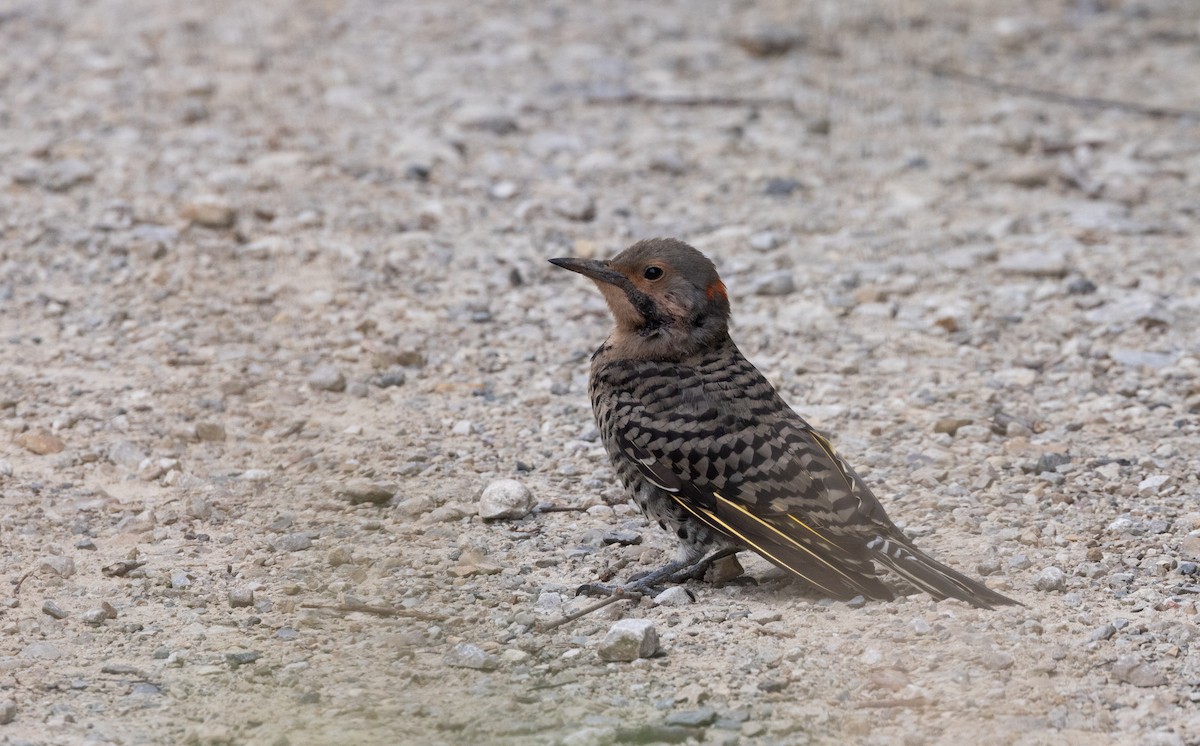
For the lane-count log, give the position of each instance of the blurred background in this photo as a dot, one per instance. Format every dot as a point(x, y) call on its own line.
point(274, 308)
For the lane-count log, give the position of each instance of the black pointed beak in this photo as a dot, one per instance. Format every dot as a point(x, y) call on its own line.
point(597, 270)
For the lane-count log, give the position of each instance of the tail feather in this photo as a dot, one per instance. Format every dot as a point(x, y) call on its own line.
point(932, 576)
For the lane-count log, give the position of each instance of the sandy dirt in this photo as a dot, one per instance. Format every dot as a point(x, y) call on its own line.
point(275, 310)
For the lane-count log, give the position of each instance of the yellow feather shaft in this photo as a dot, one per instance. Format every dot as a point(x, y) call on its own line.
point(790, 540)
point(709, 517)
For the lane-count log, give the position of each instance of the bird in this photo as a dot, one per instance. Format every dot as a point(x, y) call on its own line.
point(708, 449)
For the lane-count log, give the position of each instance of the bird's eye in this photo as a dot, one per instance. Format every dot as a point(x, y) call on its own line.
point(652, 273)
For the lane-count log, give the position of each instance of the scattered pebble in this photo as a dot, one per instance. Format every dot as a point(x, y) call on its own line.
point(327, 378)
point(623, 537)
point(52, 609)
point(1132, 669)
point(466, 655)
point(629, 639)
point(774, 283)
point(8, 711)
point(697, 718)
point(210, 211)
point(61, 176)
point(676, 595)
point(764, 241)
point(41, 442)
point(950, 425)
point(505, 498)
point(97, 615)
point(1034, 263)
point(770, 41)
point(242, 658)
point(1051, 579)
point(487, 118)
point(291, 543)
point(41, 649)
point(577, 206)
point(240, 597)
point(367, 491)
point(1153, 484)
point(210, 432)
point(64, 567)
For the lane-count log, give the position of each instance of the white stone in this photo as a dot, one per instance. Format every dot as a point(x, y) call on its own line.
point(674, 596)
point(1051, 579)
point(629, 639)
point(1152, 484)
point(505, 498)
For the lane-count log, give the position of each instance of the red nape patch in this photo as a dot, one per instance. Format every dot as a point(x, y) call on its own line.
point(715, 289)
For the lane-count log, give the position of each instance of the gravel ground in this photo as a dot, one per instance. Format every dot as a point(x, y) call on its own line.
point(274, 311)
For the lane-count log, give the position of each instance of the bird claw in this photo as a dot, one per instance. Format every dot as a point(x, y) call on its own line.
point(632, 588)
point(652, 583)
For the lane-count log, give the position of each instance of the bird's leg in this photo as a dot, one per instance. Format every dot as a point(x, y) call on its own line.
point(676, 572)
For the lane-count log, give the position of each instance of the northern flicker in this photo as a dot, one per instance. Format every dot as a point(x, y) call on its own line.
point(709, 451)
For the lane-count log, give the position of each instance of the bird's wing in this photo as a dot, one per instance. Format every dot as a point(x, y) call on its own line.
point(772, 484)
point(779, 488)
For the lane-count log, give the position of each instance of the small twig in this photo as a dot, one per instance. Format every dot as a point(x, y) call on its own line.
point(618, 595)
point(611, 571)
point(688, 101)
point(882, 703)
point(1056, 97)
point(389, 611)
point(17, 588)
point(563, 509)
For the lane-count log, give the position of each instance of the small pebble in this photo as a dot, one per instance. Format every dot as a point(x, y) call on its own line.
point(366, 491)
point(1036, 263)
point(291, 543)
point(339, 556)
point(764, 241)
point(692, 718)
point(8, 711)
point(60, 176)
point(52, 609)
point(240, 597)
point(676, 595)
point(765, 616)
point(1131, 669)
point(210, 432)
point(1153, 484)
point(1102, 633)
point(774, 283)
point(390, 378)
point(505, 498)
point(466, 655)
point(327, 378)
point(1051, 579)
point(210, 211)
point(41, 442)
point(629, 639)
point(64, 567)
point(41, 649)
point(236, 660)
point(770, 41)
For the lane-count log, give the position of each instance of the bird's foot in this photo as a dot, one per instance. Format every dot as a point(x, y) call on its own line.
point(650, 583)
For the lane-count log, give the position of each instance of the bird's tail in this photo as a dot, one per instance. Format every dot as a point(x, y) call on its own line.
point(932, 576)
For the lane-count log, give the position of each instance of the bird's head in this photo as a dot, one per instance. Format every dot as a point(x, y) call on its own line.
point(665, 296)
